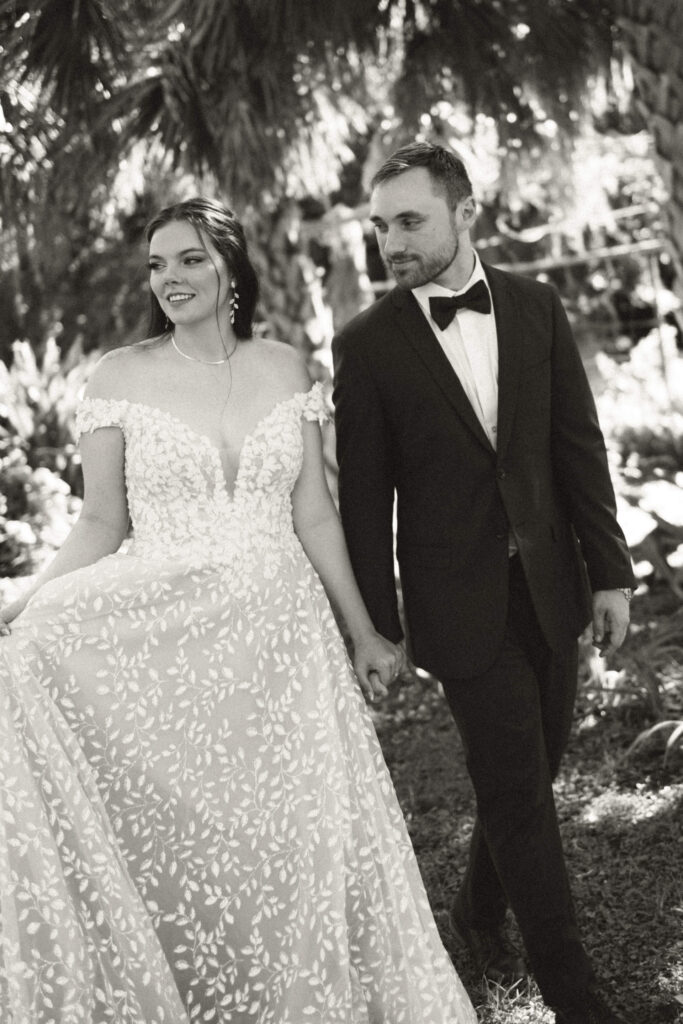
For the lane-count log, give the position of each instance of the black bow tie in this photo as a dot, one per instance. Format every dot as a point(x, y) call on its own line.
point(443, 309)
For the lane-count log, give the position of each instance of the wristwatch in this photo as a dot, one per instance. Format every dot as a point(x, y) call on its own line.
point(628, 592)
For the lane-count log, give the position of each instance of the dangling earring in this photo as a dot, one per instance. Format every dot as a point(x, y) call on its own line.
point(167, 323)
point(234, 302)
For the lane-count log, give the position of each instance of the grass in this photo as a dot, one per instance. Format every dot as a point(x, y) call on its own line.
point(621, 815)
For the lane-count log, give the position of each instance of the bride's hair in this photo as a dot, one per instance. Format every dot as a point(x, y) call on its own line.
point(227, 234)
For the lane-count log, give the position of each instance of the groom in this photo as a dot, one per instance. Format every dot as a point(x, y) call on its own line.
point(462, 392)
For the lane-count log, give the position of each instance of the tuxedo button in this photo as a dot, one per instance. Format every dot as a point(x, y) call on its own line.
point(501, 474)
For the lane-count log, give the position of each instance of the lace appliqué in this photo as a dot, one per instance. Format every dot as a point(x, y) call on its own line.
point(93, 413)
point(206, 681)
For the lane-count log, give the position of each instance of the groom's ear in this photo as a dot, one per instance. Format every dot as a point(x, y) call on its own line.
point(466, 213)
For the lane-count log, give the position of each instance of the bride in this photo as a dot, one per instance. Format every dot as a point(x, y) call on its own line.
point(187, 763)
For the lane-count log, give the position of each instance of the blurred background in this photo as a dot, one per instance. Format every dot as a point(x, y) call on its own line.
point(567, 114)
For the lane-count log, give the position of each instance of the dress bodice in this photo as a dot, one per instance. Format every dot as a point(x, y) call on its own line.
point(178, 498)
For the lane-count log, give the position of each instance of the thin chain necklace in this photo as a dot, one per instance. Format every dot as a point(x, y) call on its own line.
point(194, 359)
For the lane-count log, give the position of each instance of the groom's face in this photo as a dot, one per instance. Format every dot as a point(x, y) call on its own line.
point(418, 233)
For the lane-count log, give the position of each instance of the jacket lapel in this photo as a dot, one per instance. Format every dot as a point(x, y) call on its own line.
point(509, 352)
point(416, 329)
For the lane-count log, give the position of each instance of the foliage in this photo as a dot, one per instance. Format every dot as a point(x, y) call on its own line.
point(641, 412)
point(72, 47)
point(234, 86)
point(655, 654)
point(39, 465)
point(72, 214)
point(641, 408)
point(38, 401)
point(674, 729)
point(37, 511)
point(648, 677)
point(256, 101)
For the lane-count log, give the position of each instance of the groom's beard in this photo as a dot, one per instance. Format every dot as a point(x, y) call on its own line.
point(410, 270)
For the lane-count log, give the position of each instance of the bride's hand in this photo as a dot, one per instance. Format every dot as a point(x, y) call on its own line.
point(377, 662)
point(8, 614)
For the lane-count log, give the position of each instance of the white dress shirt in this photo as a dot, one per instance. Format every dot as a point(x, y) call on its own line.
point(470, 343)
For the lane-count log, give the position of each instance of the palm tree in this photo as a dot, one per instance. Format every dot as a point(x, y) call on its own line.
point(234, 86)
point(248, 94)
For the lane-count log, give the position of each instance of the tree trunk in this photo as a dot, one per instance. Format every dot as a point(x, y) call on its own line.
point(652, 32)
point(292, 302)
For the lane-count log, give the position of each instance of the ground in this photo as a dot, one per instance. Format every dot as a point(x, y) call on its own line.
point(621, 817)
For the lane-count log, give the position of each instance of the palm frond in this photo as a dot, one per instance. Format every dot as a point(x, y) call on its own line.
point(69, 46)
point(288, 25)
point(167, 104)
point(502, 58)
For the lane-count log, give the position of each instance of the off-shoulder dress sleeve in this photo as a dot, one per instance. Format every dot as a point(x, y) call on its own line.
point(93, 413)
point(314, 405)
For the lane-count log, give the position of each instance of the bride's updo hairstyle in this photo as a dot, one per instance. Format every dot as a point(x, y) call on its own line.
point(221, 225)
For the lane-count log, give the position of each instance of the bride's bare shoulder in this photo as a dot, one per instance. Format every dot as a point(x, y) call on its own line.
point(116, 373)
point(281, 364)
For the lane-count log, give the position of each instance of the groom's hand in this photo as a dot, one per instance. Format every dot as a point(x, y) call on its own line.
point(408, 670)
point(610, 620)
point(377, 662)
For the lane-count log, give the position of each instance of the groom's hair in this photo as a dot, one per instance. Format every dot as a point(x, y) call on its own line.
point(447, 171)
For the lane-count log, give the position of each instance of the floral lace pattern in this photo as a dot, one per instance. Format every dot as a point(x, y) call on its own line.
point(206, 682)
point(246, 529)
point(76, 945)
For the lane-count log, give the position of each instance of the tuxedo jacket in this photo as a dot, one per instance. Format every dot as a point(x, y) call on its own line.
point(405, 428)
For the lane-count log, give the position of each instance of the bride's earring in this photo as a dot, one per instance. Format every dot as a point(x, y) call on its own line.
point(234, 302)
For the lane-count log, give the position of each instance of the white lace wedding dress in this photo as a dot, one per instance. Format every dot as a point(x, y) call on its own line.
point(204, 678)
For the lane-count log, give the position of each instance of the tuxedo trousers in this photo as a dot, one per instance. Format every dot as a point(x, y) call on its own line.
point(514, 720)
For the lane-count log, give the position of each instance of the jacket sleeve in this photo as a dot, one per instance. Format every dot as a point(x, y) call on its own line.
point(580, 464)
point(366, 484)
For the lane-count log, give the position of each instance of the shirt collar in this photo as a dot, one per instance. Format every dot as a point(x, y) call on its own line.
point(425, 291)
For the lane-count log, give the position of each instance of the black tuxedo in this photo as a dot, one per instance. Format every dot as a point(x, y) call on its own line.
point(404, 423)
point(500, 633)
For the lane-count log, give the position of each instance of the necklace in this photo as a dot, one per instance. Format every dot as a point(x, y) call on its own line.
point(194, 359)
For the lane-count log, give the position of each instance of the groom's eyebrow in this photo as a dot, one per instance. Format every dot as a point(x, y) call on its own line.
point(376, 219)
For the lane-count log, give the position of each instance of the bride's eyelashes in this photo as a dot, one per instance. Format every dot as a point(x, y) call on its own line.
point(188, 261)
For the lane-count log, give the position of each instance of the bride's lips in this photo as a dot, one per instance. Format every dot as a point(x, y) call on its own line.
point(178, 298)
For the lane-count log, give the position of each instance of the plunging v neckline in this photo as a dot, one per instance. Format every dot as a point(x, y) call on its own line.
point(229, 492)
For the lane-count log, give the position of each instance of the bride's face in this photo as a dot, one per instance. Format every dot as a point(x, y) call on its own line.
point(188, 276)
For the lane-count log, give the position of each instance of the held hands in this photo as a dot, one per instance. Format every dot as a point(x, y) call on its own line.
point(610, 620)
point(377, 662)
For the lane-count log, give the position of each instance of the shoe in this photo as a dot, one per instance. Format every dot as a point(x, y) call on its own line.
point(494, 955)
point(594, 1011)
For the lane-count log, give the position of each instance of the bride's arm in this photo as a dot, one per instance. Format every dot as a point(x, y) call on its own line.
point(103, 521)
point(318, 527)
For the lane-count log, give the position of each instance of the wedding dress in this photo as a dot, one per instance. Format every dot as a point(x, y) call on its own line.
point(203, 676)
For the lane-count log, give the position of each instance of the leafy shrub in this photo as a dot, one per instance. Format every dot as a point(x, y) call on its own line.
point(37, 406)
point(641, 412)
point(37, 511)
point(658, 657)
point(40, 480)
point(641, 409)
